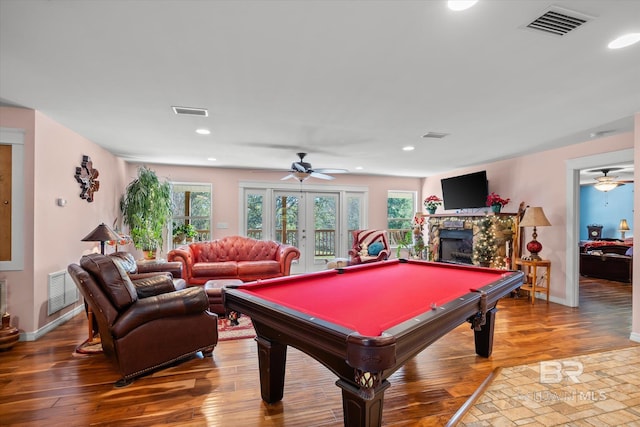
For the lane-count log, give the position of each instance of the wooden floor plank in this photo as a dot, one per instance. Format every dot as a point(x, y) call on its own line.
point(42, 382)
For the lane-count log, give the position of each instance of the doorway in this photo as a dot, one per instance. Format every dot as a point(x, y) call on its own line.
point(573, 168)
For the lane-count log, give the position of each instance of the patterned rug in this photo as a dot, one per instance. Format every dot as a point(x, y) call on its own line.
point(228, 331)
point(93, 346)
point(600, 389)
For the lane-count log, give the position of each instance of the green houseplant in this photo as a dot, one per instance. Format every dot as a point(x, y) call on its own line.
point(147, 208)
point(183, 232)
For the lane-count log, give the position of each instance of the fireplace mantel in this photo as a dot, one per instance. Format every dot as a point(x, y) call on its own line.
point(503, 228)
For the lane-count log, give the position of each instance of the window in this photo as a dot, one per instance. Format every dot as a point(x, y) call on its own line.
point(191, 206)
point(401, 207)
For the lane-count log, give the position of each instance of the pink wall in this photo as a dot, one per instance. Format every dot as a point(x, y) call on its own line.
point(53, 233)
point(539, 180)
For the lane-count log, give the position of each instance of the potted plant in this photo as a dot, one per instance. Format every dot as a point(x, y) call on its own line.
point(183, 232)
point(431, 203)
point(147, 207)
point(496, 202)
point(405, 243)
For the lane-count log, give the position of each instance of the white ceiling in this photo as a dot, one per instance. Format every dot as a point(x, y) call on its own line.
point(350, 82)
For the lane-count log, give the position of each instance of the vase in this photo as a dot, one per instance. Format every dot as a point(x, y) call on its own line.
point(431, 211)
point(496, 208)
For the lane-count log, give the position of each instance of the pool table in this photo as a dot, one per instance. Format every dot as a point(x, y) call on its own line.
point(364, 322)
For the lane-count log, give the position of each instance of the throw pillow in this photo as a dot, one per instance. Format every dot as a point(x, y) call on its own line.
point(363, 250)
point(375, 248)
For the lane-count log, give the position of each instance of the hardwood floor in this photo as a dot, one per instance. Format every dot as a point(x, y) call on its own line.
point(42, 382)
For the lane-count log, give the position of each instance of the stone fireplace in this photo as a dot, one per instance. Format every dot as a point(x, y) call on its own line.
point(455, 237)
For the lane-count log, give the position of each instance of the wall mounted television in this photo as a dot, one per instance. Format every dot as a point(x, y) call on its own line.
point(465, 191)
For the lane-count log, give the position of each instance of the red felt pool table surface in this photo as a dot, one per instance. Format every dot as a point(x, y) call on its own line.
point(374, 297)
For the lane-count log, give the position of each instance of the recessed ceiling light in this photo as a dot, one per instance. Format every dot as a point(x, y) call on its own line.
point(203, 131)
point(624, 41)
point(458, 5)
point(211, 159)
point(359, 168)
point(409, 148)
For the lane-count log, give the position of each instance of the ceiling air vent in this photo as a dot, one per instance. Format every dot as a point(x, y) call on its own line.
point(189, 111)
point(559, 21)
point(434, 135)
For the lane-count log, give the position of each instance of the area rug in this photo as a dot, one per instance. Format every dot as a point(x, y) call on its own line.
point(600, 389)
point(93, 346)
point(227, 331)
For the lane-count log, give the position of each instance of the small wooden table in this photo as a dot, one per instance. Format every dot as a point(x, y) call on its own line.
point(531, 277)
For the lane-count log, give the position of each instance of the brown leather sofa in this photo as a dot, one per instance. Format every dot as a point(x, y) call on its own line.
point(144, 324)
point(150, 268)
point(234, 257)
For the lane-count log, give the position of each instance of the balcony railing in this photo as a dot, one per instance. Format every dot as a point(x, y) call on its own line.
point(325, 240)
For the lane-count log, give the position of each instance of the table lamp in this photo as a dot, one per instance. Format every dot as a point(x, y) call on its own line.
point(534, 217)
point(102, 233)
point(623, 227)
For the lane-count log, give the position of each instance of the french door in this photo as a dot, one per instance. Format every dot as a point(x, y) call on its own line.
point(308, 221)
point(316, 220)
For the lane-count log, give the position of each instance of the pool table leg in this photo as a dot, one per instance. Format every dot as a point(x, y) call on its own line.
point(272, 357)
point(484, 337)
point(359, 411)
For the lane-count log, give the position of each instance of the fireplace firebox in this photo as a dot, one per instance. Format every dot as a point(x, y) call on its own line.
point(456, 246)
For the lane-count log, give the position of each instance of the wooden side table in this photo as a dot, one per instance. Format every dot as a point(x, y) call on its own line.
point(532, 274)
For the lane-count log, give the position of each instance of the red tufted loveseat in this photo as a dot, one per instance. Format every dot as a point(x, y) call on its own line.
point(234, 257)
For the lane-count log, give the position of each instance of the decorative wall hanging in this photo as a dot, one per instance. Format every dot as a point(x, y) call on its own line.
point(87, 176)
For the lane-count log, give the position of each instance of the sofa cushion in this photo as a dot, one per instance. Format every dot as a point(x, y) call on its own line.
point(258, 269)
point(112, 278)
point(215, 269)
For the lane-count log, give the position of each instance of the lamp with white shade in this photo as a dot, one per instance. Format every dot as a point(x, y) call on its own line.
point(534, 217)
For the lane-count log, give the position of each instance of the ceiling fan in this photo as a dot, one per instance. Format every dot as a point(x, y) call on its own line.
point(607, 182)
point(302, 170)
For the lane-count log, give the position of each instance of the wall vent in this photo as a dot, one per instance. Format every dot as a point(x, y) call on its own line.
point(559, 21)
point(190, 111)
point(62, 291)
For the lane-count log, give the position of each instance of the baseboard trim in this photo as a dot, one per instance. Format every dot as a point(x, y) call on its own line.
point(32, 336)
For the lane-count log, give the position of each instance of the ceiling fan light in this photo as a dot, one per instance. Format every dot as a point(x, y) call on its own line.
point(606, 186)
point(301, 176)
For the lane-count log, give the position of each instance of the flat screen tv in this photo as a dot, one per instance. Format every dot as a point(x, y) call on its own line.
point(465, 191)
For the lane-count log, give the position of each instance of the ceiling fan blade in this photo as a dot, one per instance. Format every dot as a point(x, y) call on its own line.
point(319, 175)
point(297, 166)
point(288, 177)
point(329, 170)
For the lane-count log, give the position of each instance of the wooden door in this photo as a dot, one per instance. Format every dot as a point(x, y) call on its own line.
point(5, 202)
